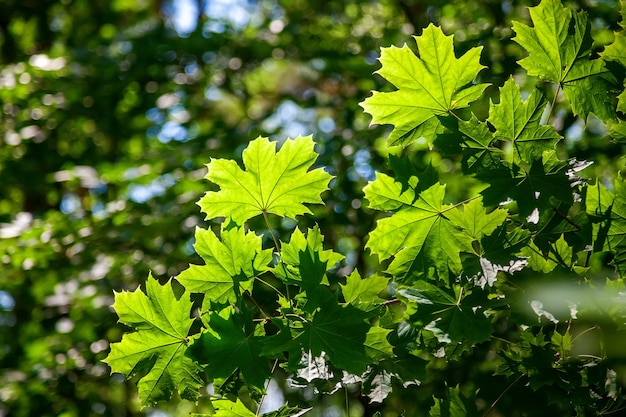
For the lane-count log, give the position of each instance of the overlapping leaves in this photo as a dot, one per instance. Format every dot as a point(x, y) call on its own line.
point(156, 351)
point(432, 85)
point(559, 48)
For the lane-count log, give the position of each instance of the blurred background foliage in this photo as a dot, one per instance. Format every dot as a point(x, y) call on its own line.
point(109, 110)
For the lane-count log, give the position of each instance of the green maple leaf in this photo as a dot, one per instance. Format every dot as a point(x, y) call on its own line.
point(477, 148)
point(230, 264)
point(598, 199)
point(432, 85)
point(559, 48)
point(453, 404)
point(474, 219)
point(518, 122)
point(418, 235)
point(616, 51)
point(559, 253)
point(272, 182)
point(532, 188)
point(338, 331)
point(156, 351)
point(618, 130)
point(450, 313)
point(616, 236)
point(304, 260)
point(232, 342)
point(227, 408)
point(363, 292)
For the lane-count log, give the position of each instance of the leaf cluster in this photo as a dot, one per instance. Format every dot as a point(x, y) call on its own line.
point(456, 276)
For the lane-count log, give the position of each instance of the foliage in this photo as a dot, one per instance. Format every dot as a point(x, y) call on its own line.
point(110, 109)
point(510, 270)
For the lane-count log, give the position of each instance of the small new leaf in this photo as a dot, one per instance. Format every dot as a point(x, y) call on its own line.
point(272, 182)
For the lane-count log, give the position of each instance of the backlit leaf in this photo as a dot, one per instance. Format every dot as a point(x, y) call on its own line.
point(518, 122)
point(230, 263)
point(433, 84)
point(272, 182)
point(559, 48)
point(157, 350)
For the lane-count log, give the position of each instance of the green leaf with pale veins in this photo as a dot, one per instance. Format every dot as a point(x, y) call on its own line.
point(433, 84)
point(475, 220)
point(559, 48)
point(363, 292)
point(419, 233)
point(272, 182)
point(157, 350)
point(304, 260)
point(232, 342)
point(230, 264)
point(518, 122)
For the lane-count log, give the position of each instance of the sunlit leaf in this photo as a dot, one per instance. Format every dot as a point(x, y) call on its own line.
point(433, 84)
point(156, 351)
point(272, 182)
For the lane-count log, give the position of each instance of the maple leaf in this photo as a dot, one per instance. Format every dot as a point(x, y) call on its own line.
point(518, 122)
point(616, 236)
point(454, 316)
point(419, 234)
point(363, 292)
point(616, 51)
point(229, 264)
point(559, 48)
point(231, 341)
point(157, 350)
point(432, 85)
point(531, 188)
point(474, 219)
point(340, 332)
point(304, 260)
point(272, 182)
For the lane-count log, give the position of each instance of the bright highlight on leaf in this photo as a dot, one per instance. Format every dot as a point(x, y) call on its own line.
point(156, 351)
point(518, 122)
point(272, 182)
point(559, 50)
point(230, 264)
point(430, 86)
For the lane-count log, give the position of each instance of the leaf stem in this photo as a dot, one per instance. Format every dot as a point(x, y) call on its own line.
point(257, 304)
point(271, 286)
point(267, 221)
point(556, 94)
point(493, 404)
point(258, 410)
